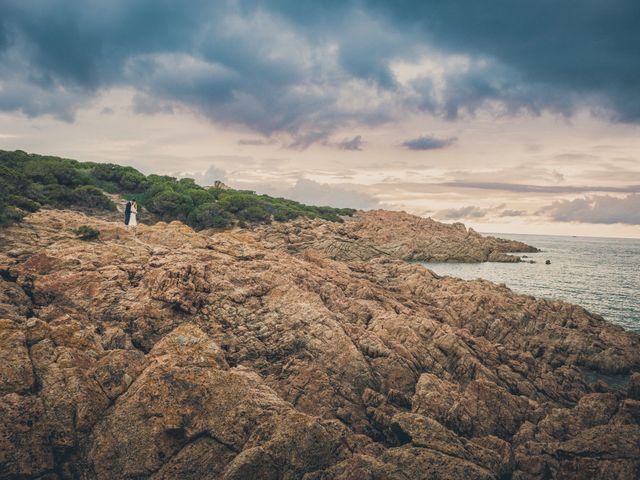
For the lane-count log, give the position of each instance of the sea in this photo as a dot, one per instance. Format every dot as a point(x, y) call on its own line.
point(600, 274)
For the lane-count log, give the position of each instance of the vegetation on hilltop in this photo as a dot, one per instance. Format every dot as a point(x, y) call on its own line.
point(29, 182)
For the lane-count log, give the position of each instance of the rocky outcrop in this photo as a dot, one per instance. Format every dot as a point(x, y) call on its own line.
point(176, 354)
point(394, 235)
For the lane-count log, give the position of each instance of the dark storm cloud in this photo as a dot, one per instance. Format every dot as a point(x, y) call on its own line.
point(289, 66)
point(551, 51)
point(596, 209)
point(427, 142)
point(498, 88)
point(230, 63)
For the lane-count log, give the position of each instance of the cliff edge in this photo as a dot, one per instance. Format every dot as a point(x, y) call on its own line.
point(393, 235)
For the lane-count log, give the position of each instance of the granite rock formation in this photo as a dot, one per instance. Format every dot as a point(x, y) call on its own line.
point(176, 354)
point(392, 235)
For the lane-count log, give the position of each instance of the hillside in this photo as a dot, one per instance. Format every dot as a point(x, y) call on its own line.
point(29, 182)
point(218, 354)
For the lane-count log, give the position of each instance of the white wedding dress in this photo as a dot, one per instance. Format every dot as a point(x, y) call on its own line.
point(132, 219)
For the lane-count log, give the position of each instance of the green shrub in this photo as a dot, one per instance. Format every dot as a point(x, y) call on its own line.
point(209, 215)
point(54, 195)
point(215, 192)
point(85, 232)
point(285, 215)
point(133, 181)
point(200, 197)
point(234, 201)
point(12, 180)
point(24, 203)
point(9, 214)
point(107, 171)
point(91, 197)
point(171, 205)
point(255, 213)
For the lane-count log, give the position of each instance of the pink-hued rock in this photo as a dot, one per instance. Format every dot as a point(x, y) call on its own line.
point(174, 354)
point(385, 234)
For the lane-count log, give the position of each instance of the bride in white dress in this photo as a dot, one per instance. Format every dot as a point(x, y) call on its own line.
point(134, 212)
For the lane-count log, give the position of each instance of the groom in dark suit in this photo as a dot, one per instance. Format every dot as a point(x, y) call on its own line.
point(127, 213)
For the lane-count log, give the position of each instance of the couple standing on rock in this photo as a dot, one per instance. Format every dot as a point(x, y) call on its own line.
point(130, 213)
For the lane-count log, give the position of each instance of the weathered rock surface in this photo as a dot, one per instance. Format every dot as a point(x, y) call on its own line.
point(176, 354)
point(392, 235)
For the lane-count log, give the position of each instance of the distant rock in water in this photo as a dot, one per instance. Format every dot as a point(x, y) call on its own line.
point(547, 262)
point(239, 355)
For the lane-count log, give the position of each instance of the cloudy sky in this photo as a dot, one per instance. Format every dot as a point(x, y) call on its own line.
point(508, 115)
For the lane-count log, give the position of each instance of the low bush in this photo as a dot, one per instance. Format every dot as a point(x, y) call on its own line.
point(85, 232)
point(92, 197)
point(209, 215)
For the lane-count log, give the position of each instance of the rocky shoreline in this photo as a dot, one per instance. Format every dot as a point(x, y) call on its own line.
point(393, 235)
point(306, 350)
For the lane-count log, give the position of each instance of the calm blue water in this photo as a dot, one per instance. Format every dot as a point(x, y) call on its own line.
point(601, 274)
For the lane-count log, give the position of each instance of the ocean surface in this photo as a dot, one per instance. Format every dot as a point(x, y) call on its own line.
point(601, 274)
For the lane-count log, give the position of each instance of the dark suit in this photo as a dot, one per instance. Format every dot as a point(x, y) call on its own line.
point(127, 213)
